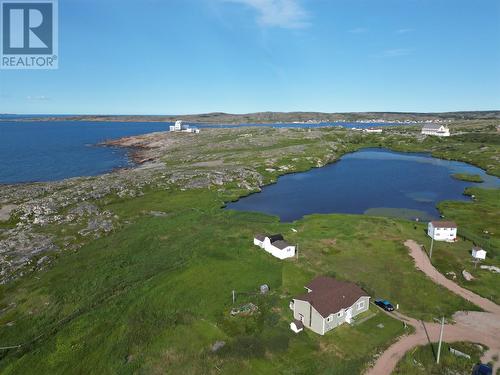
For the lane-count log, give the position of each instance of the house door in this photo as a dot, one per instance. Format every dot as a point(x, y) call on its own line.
point(348, 315)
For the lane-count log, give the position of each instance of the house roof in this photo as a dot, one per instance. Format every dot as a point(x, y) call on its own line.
point(275, 237)
point(477, 248)
point(432, 126)
point(329, 296)
point(281, 244)
point(260, 237)
point(298, 324)
point(444, 224)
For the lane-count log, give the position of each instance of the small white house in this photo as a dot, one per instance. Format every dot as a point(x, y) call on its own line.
point(437, 130)
point(442, 231)
point(478, 253)
point(275, 245)
point(373, 130)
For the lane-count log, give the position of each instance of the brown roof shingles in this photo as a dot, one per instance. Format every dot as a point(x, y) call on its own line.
point(444, 224)
point(329, 296)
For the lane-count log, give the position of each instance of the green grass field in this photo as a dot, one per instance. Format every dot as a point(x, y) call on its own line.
point(468, 177)
point(422, 360)
point(156, 294)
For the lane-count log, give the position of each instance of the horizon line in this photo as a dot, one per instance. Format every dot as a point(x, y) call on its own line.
point(249, 113)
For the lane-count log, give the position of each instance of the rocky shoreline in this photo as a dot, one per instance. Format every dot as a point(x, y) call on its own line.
point(39, 220)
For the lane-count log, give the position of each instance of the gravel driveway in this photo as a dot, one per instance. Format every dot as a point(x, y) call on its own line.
point(477, 327)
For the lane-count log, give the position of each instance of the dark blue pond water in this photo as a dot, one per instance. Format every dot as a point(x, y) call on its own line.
point(371, 181)
point(48, 151)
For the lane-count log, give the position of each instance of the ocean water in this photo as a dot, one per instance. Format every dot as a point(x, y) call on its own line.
point(369, 181)
point(49, 151)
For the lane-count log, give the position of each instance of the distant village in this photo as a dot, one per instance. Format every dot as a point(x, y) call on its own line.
point(428, 129)
point(380, 121)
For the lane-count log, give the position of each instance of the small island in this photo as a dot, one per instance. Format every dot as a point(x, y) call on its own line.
point(468, 177)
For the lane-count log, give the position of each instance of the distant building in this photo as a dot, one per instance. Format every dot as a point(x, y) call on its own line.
point(373, 130)
point(180, 127)
point(478, 253)
point(442, 230)
point(275, 245)
point(437, 130)
point(327, 304)
point(177, 127)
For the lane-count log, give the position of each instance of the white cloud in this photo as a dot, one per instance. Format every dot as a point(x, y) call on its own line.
point(287, 14)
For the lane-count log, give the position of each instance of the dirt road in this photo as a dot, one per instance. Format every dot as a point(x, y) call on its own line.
point(478, 327)
point(423, 263)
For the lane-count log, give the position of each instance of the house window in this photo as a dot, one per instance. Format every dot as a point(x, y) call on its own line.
point(339, 314)
point(361, 305)
point(329, 319)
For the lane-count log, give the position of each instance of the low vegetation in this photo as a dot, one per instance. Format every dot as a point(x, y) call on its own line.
point(422, 360)
point(468, 177)
point(477, 219)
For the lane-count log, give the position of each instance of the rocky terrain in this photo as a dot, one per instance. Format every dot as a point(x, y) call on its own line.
point(39, 220)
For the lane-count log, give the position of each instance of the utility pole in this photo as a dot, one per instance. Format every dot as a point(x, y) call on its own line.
point(297, 251)
point(476, 262)
point(440, 340)
point(432, 245)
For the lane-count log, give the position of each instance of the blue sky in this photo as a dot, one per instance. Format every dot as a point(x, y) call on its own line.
point(194, 56)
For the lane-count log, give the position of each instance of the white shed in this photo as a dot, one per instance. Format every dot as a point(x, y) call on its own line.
point(297, 326)
point(478, 253)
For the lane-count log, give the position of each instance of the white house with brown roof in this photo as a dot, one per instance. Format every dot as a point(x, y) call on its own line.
point(442, 230)
point(275, 245)
point(437, 130)
point(327, 304)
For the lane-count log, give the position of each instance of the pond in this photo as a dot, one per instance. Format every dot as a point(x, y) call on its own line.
point(377, 182)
